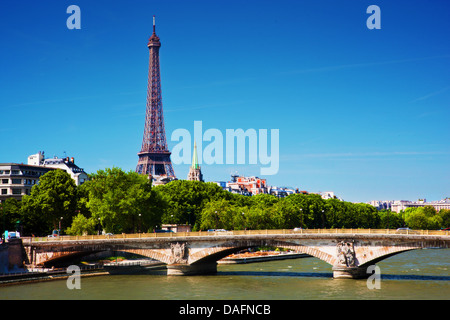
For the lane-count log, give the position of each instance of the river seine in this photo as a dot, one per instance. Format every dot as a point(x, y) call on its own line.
point(418, 274)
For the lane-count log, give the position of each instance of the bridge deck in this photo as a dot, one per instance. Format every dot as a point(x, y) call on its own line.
point(305, 232)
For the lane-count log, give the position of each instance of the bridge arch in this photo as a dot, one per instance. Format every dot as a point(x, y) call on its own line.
point(150, 253)
point(213, 254)
point(61, 259)
point(370, 256)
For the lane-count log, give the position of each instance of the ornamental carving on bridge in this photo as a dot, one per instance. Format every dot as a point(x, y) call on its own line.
point(346, 253)
point(178, 252)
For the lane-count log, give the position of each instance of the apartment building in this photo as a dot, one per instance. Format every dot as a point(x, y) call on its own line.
point(17, 180)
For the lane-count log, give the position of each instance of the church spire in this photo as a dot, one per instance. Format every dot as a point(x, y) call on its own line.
point(195, 173)
point(195, 158)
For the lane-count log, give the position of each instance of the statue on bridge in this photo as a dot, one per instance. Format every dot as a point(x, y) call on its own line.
point(178, 252)
point(346, 254)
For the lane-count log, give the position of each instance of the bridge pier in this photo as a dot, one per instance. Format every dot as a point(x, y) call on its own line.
point(191, 269)
point(340, 272)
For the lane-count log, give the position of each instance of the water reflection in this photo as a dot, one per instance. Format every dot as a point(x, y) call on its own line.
point(275, 274)
point(414, 277)
point(328, 275)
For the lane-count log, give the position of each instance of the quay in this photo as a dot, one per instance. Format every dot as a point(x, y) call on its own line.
point(30, 276)
point(270, 256)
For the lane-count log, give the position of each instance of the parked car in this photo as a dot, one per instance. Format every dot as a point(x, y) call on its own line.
point(8, 235)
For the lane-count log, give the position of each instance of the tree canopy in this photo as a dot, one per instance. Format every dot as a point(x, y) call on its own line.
point(120, 201)
point(124, 202)
point(51, 203)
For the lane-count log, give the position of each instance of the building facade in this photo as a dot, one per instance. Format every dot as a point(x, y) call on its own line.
point(247, 185)
point(400, 205)
point(16, 180)
point(67, 164)
point(381, 204)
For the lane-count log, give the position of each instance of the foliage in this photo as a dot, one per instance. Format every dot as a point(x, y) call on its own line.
point(183, 201)
point(423, 218)
point(445, 216)
point(390, 220)
point(120, 201)
point(10, 213)
point(221, 214)
point(52, 202)
point(116, 201)
point(81, 226)
point(297, 210)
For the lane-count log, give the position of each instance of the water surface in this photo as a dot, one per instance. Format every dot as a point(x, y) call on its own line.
point(417, 274)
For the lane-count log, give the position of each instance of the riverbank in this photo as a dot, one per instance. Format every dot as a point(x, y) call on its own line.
point(40, 276)
point(87, 270)
point(261, 256)
point(128, 267)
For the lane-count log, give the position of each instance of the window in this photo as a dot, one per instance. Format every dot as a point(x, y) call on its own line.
point(4, 181)
point(16, 181)
point(16, 191)
point(4, 191)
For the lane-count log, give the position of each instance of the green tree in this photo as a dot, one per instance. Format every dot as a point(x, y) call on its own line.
point(52, 202)
point(416, 219)
point(423, 218)
point(445, 215)
point(121, 201)
point(81, 226)
point(390, 220)
point(366, 216)
point(10, 213)
point(184, 200)
point(285, 215)
point(222, 214)
point(334, 212)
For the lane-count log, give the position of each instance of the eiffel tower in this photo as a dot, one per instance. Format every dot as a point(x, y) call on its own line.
point(154, 157)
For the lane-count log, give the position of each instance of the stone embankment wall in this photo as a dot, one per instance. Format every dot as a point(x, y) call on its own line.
point(12, 255)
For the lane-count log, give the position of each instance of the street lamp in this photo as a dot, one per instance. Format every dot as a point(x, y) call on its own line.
point(301, 218)
point(59, 231)
point(217, 220)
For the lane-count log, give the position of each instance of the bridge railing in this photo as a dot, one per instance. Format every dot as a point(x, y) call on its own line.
point(235, 232)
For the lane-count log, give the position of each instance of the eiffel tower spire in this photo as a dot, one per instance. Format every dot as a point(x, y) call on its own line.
point(154, 157)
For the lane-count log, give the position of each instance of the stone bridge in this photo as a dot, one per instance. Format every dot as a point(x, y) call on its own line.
point(349, 254)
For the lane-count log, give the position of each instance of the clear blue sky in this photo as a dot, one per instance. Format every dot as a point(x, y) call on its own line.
point(363, 113)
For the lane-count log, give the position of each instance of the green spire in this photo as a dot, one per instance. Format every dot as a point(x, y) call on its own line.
point(194, 158)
